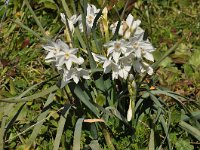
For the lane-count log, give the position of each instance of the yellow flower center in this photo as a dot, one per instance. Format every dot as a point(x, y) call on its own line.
point(67, 55)
point(90, 19)
point(117, 45)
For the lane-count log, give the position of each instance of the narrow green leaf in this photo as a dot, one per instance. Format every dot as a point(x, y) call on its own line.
point(32, 97)
point(2, 130)
point(82, 95)
point(35, 17)
point(61, 125)
point(40, 121)
point(194, 115)
point(151, 141)
point(190, 129)
point(77, 135)
point(28, 29)
point(165, 127)
point(155, 100)
point(14, 117)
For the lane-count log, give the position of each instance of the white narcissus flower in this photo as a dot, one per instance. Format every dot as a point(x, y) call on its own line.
point(99, 58)
point(71, 21)
point(141, 67)
point(127, 27)
point(53, 48)
point(109, 66)
point(116, 48)
point(75, 74)
point(67, 56)
point(125, 65)
point(92, 11)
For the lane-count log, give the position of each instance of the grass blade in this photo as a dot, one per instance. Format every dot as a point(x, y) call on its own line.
point(82, 95)
point(32, 97)
point(61, 125)
point(77, 134)
point(190, 129)
point(151, 141)
point(41, 120)
point(165, 127)
point(35, 17)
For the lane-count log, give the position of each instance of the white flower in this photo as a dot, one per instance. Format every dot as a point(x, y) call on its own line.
point(116, 48)
point(141, 48)
point(92, 11)
point(127, 27)
point(121, 69)
point(67, 56)
point(99, 58)
point(53, 48)
point(109, 66)
point(141, 67)
point(125, 65)
point(71, 21)
point(75, 74)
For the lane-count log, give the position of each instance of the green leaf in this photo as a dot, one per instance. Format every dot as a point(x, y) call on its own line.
point(151, 141)
point(29, 98)
point(165, 127)
point(77, 135)
point(83, 96)
point(190, 129)
point(61, 125)
point(40, 121)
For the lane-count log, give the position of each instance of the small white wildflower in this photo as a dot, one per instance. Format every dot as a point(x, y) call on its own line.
point(75, 74)
point(127, 27)
point(116, 48)
point(92, 11)
point(71, 21)
point(141, 67)
point(53, 48)
point(67, 56)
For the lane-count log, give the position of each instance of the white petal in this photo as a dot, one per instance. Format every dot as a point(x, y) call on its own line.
point(76, 79)
point(138, 53)
point(50, 55)
point(63, 19)
point(107, 66)
point(68, 64)
point(130, 20)
point(127, 34)
point(148, 56)
point(150, 70)
point(62, 45)
point(130, 111)
point(99, 58)
point(110, 50)
point(80, 60)
point(116, 56)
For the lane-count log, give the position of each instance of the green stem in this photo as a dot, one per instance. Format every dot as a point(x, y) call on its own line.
point(107, 136)
point(28, 29)
point(35, 17)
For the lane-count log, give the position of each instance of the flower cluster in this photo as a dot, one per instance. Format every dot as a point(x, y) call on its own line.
point(92, 11)
point(66, 61)
point(129, 53)
point(123, 54)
